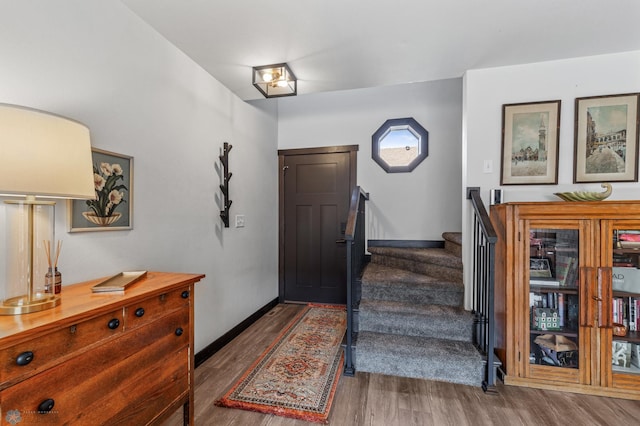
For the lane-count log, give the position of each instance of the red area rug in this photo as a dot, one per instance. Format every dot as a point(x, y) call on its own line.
point(297, 375)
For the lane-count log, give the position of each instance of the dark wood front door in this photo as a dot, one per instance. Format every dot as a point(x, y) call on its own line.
point(315, 189)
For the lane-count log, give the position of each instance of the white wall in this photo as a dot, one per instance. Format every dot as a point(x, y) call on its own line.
point(414, 206)
point(486, 90)
point(98, 63)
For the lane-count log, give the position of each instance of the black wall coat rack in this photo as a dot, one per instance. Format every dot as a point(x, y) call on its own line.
point(224, 186)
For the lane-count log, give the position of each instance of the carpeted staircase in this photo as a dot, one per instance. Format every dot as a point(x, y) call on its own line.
point(411, 319)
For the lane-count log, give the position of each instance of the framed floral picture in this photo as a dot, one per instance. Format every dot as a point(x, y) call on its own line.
point(530, 135)
point(606, 139)
point(112, 210)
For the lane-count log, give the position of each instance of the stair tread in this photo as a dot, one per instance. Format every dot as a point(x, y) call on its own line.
point(437, 256)
point(454, 237)
point(439, 321)
point(402, 345)
point(420, 357)
point(378, 274)
point(427, 310)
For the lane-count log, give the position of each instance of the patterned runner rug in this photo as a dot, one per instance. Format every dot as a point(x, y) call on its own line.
point(297, 375)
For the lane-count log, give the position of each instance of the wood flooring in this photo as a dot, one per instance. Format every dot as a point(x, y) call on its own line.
point(377, 400)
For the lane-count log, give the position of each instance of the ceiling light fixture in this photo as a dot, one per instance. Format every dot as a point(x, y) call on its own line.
point(275, 81)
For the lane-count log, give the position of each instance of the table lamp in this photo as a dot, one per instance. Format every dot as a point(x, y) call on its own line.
point(41, 155)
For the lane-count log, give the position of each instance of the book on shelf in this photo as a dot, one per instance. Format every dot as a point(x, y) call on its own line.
point(629, 239)
point(539, 267)
point(625, 311)
point(572, 274)
point(623, 264)
point(635, 354)
point(563, 263)
point(566, 270)
point(544, 282)
point(560, 305)
point(535, 299)
point(626, 279)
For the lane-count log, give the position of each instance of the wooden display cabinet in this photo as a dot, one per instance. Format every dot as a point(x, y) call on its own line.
point(566, 277)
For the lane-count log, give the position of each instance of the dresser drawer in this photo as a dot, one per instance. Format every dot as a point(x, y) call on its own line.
point(152, 308)
point(133, 377)
point(27, 357)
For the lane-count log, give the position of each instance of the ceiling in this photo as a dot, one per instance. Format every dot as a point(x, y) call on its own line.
point(347, 44)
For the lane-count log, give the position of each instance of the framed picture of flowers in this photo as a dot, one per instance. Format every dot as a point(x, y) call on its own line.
point(112, 210)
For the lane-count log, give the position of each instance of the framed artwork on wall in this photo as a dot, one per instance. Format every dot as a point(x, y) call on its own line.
point(530, 135)
point(606, 139)
point(112, 210)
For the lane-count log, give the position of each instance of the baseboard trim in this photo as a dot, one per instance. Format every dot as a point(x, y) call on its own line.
point(219, 343)
point(406, 243)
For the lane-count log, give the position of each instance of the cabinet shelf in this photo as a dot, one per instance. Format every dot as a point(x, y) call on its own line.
point(628, 250)
point(624, 294)
point(562, 332)
point(551, 289)
point(632, 336)
point(627, 370)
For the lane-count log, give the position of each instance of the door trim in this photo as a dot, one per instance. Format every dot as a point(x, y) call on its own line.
point(282, 153)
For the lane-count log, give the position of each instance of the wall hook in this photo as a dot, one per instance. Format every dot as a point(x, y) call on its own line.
point(224, 187)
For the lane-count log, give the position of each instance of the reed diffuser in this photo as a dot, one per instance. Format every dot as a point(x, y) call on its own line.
point(53, 278)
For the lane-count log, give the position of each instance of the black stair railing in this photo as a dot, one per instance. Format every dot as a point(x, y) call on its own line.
point(355, 239)
point(484, 240)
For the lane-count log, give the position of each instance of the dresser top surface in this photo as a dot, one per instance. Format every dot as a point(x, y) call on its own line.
point(80, 303)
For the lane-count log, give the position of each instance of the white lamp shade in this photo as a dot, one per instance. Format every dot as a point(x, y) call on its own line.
point(44, 154)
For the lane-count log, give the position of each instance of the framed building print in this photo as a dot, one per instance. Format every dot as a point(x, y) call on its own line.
point(530, 143)
point(112, 210)
point(606, 139)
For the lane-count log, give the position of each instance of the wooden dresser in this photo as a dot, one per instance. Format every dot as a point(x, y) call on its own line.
point(111, 358)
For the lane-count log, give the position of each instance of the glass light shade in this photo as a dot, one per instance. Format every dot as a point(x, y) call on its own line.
point(30, 231)
point(275, 80)
point(42, 155)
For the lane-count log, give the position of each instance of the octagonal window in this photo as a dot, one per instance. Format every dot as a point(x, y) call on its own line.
point(399, 145)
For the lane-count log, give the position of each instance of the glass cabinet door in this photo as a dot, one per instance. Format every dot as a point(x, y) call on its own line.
point(554, 302)
point(625, 301)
